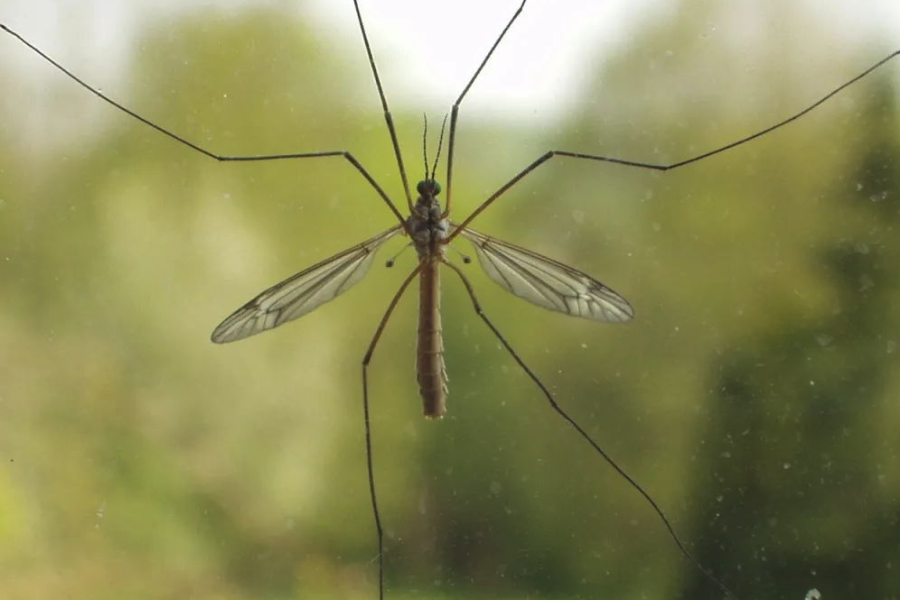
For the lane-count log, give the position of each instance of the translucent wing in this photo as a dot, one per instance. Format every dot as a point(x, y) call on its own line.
point(302, 293)
point(546, 282)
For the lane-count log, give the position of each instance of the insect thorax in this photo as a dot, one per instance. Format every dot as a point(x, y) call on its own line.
point(426, 227)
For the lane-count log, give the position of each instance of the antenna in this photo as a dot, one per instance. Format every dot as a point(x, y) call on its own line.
point(440, 144)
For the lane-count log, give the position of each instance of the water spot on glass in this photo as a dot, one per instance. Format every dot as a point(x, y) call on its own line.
point(578, 216)
point(891, 346)
point(101, 512)
point(824, 339)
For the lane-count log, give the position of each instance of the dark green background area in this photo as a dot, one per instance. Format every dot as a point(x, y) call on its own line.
point(756, 394)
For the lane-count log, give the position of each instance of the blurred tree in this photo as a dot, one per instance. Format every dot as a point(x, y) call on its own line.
point(146, 463)
point(810, 491)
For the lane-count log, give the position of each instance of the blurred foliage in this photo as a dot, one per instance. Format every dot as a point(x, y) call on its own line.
point(753, 396)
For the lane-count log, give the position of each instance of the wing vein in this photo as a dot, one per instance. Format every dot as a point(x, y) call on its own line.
point(303, 292)
point(546, 282)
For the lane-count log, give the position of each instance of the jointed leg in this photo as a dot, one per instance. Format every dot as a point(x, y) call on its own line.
point(584, 434)
point(454, 113)
point(209, 154)
point(655, 166)
point(369, 462)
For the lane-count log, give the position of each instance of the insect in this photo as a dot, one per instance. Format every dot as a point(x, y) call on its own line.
point(524, 273)
point(538, 279)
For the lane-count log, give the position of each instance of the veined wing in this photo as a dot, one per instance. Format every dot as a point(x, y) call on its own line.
point(546, 282)
point(302, 293)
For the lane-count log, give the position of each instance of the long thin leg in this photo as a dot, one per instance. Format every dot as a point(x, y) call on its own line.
point(584, 434)
point(451, 142)
point(369, 462)
point(384, 105)
point(655, 166)
point(219, 157)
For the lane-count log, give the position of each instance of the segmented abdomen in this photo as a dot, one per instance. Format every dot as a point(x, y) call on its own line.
point(430, 371)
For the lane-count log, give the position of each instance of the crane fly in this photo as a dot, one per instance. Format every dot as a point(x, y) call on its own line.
point(538, 279)
point(526, 274)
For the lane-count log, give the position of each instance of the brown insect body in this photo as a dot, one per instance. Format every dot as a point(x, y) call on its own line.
point(429, 229)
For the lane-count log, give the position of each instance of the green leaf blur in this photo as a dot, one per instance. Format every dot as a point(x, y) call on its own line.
point(754, 396)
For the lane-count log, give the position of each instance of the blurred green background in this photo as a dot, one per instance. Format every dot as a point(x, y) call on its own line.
point(755, 395)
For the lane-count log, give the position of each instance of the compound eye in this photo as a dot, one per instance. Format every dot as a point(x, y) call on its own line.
point(436, 187)
point(421, 187)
